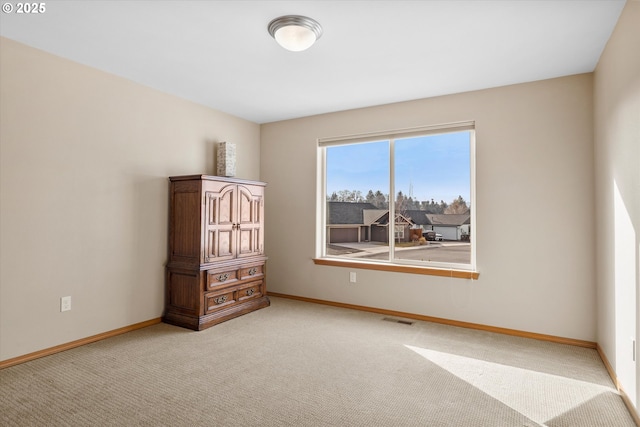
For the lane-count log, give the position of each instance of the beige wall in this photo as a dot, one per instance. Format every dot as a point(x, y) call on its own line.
point(617, 142)
point(535, 209)
point(84, 157)
point(84, 162)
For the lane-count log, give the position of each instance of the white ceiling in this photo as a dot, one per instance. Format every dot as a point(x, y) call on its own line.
point(219, 53)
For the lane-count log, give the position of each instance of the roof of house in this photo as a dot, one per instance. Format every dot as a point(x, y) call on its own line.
point(417, 216)
point(373, 215)
point(347, 212)
point(449, 219)
point(381, 217)
point(367, 214)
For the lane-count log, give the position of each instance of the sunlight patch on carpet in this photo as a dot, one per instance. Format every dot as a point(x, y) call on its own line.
point(537, 395)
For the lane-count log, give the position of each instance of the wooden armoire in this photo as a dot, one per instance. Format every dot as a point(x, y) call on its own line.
point(216, 262)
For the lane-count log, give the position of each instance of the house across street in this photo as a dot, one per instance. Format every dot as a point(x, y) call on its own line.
point(362, 222)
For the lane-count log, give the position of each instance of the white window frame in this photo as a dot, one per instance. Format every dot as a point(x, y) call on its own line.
point(391, 136)
point(398, 232)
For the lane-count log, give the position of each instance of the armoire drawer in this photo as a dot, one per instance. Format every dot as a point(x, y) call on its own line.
point(251, 273)
point(250, 290)
point(221, 278)
point(216, 300)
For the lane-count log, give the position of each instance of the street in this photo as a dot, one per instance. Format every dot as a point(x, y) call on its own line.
point(454, 252)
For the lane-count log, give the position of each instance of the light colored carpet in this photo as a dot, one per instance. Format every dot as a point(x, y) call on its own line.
point(303, 364)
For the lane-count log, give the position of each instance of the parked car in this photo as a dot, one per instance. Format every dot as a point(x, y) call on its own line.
point(438, 237)
point(429, 235)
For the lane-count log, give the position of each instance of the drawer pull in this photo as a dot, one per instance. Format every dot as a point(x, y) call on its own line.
point(253, 271)
point(223, 277)
point(250, 292)
point(220, 300)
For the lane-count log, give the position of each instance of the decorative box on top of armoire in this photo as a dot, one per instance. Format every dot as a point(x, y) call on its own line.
point(216, 267)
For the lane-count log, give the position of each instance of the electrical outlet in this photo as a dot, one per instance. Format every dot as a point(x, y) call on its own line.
point(352, 277)
point(65, 303)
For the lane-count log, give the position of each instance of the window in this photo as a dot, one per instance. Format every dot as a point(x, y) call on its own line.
point(399, 236)
point(400, 198)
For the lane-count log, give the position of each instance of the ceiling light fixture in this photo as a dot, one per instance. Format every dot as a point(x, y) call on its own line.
point(294, 32)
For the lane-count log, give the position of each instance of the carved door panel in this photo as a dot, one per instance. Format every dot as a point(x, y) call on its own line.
point(184, 226)
point(219, 218)
point(250, 227)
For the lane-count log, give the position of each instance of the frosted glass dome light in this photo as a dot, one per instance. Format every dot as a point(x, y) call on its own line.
point(295, 33)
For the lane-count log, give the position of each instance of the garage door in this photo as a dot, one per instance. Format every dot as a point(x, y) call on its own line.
point(343, 235)
point(448, 233)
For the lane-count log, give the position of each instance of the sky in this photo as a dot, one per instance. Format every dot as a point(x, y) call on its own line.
point(427, 167)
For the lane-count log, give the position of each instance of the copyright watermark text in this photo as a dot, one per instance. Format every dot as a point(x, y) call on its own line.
point(31, 8)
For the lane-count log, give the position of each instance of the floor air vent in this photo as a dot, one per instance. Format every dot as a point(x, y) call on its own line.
point(401, 321)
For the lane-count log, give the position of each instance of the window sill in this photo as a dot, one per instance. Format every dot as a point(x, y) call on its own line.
point(396, 268)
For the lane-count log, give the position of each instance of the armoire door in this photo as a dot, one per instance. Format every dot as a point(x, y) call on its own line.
point(219, 222)
point(250, 223)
